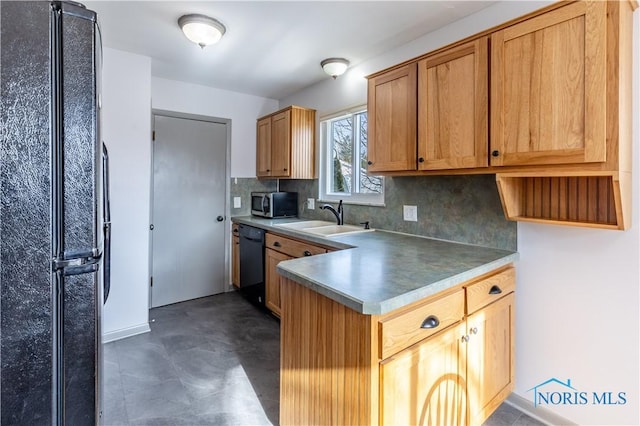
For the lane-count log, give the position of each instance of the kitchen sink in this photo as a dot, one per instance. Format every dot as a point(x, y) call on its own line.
point(333, 230)
point(324, 228)
point(306, 224)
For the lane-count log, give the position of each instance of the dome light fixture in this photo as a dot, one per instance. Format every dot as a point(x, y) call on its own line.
point(334, 66)
point(201, 29)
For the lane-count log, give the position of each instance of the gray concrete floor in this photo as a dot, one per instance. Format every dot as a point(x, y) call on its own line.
point(209, 361)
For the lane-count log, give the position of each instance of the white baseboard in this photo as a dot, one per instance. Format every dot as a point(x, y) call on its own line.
point(542, 414)
point(112, 336)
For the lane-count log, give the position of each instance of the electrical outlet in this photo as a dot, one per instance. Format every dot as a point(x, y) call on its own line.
point(237, 202)
point(410, 213)
point(311, 203)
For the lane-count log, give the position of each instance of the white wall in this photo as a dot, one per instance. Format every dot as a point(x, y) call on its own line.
point(243, 110)
point(126, 126)
point(578, 289)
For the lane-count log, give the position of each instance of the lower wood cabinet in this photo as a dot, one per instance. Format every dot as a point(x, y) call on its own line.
point(457, 377)
point(272, 279)
point(490, 357)
point(425, 384)
point(279, 248)
point(447, 360)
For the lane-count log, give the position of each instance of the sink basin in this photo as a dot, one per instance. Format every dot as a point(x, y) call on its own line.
point(333, 230)
point(305, 224)
point(323, 228)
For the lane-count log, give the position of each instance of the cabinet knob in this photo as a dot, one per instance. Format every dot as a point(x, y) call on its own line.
point(495, 153)
point(474, 330)
point(369, 162)
point(495, 290)
point(465, 338)
point(276, 244)
point(307, 253)
point(285, 169)
point(421, 160)
point(268, 170)
point(431, 321)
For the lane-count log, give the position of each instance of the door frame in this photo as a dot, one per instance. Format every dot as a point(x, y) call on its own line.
point(227, 188)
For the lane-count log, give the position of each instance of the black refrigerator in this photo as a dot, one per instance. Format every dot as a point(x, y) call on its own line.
point(54, 218)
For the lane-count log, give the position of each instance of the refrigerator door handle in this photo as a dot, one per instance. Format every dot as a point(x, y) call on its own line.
point(106, 227)
point(77, 260)
point(79, 270)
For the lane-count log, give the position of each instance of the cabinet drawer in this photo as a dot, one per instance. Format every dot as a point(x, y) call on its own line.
point(291, 247)
point(490, 289)
point(404, 329)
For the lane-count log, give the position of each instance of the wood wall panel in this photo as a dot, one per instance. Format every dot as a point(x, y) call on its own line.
point(328, 365)
point(585, 200)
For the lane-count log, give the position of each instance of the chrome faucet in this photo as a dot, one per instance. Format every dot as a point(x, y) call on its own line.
point(338, 213)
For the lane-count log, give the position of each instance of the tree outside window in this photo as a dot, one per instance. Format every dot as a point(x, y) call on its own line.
point(345, 165)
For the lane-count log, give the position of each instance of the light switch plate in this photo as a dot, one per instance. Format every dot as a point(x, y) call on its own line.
point(410, 213)
point(237, 202)
point(311, 203)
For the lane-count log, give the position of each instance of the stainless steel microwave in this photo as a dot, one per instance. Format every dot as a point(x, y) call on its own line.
point(274, 204)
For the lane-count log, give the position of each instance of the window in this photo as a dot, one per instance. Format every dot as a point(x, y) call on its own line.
point(343, 164)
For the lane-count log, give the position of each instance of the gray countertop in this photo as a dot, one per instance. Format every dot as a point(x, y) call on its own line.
point(380, 271)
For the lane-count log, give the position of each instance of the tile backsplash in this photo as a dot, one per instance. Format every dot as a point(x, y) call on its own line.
point(457, 208)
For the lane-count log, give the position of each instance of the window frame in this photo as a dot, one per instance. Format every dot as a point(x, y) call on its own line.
point(326, 165)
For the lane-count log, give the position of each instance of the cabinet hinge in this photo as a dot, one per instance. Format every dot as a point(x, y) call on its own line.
point(153, 135)
point(151, 281)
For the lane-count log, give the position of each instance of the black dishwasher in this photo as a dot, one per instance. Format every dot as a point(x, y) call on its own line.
point(252, 263)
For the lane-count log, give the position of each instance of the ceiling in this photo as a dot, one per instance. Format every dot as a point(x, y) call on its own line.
point(270, 49)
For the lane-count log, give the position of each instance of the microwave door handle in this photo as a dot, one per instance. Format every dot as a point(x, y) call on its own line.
point(265, 204)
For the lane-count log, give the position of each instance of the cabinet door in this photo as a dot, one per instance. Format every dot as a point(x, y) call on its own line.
point(235, 261)
point(281, 144)
point(453, 108)
point(548, 88)
point(490, 357)
point(263, 147)
point(425, 383)
point(272, 280)
point(392, 112)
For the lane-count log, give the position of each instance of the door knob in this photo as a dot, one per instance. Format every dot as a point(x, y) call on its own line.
point(220, 218)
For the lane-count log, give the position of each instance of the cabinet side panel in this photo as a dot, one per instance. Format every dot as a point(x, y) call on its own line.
point(303, 148)
point(328, 374)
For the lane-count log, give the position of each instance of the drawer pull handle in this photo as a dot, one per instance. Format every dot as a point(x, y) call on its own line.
point(430, 322)
point(276, 244)
point(307, 253)
point(495, 290)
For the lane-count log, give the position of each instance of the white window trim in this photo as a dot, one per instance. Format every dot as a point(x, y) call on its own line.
point(376, 200)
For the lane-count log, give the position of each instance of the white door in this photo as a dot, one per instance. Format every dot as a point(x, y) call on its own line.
point(189, 203)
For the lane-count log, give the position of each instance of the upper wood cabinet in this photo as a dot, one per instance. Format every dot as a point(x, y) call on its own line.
point(548, 88)
point(285, 145)
point(559, 103)
point(263, 147)
point(453, 106)
point(392, 108)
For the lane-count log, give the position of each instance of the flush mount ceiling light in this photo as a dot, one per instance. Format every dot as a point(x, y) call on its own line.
point(201, 29)
point(334, 66)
